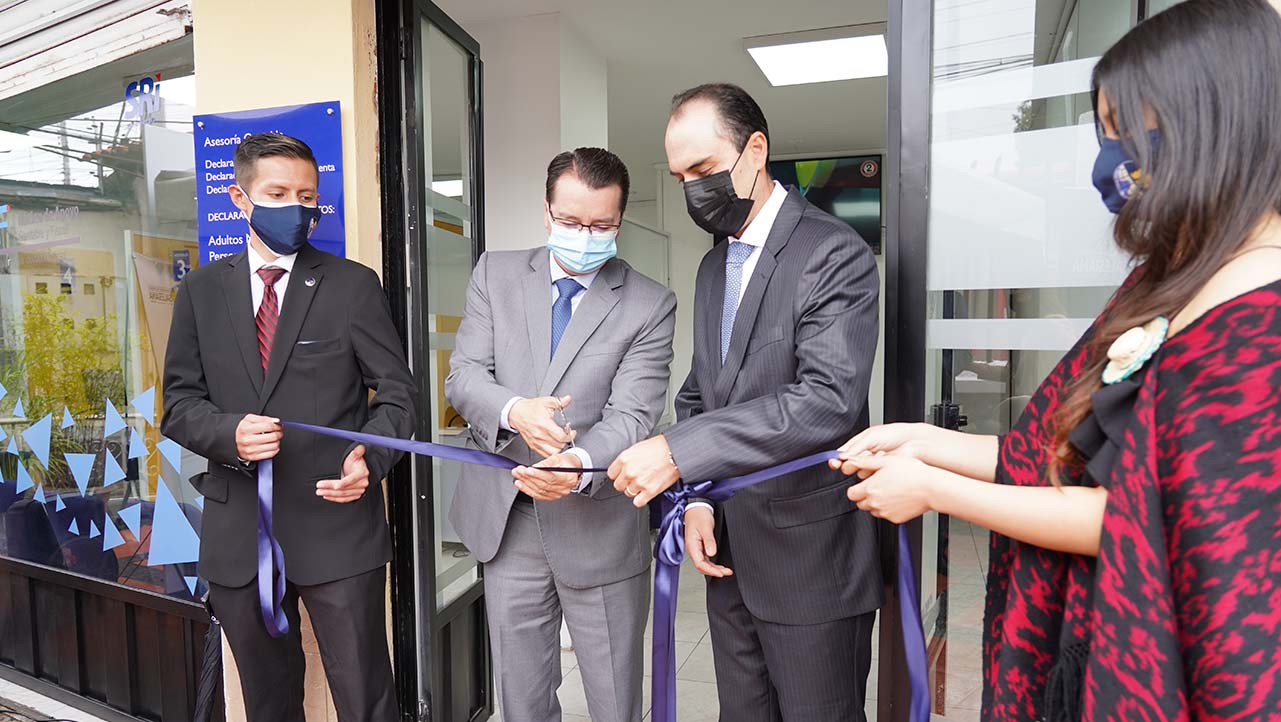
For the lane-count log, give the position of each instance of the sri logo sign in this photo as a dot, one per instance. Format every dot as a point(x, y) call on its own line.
point(142, 99)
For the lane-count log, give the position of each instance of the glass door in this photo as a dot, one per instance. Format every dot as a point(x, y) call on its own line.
point(1018, 259)
point(434, 173)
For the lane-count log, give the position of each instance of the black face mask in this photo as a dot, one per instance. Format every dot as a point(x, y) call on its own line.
point(713, 204)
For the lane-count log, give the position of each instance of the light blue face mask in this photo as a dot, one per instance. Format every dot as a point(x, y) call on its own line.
point(579, 251)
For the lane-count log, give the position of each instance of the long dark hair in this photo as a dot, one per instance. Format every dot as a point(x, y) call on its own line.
point(1210, 71)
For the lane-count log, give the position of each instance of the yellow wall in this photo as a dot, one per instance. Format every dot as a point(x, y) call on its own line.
point(264, 53)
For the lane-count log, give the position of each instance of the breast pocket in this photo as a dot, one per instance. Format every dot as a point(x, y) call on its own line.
point(763, 340)
point(608, 349)
point(311, 347)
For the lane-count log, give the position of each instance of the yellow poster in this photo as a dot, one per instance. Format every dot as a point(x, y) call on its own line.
point(447, 417)
point(157, 262)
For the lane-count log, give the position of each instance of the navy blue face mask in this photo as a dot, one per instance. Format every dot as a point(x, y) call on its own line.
point(1116, 175)
point(284, 228)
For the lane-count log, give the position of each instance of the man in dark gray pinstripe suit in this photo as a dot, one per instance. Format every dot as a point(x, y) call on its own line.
point(785, 324)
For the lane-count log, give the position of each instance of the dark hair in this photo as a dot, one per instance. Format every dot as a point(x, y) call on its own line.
point(595, 167)
point(267, 145)
point(1210, 71)
point(739, 113)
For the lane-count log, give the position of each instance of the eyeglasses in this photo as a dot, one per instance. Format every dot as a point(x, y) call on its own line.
point(594, 229)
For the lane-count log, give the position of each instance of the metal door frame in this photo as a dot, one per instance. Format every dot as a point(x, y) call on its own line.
point(416, 639)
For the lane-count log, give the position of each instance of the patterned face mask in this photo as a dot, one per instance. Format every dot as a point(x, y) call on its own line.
point(1116, 175)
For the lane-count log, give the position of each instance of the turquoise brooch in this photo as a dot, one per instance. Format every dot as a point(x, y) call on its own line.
point(1134, 348)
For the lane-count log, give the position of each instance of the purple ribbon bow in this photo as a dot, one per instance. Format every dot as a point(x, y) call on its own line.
point(669, 553)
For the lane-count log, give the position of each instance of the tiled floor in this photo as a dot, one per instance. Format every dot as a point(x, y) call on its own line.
point(957, 693)
point(958, 675)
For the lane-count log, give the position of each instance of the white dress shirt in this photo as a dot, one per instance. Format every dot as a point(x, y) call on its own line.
point(757, 232)
point(755, 235)
point(256, 285)
point(585, 281)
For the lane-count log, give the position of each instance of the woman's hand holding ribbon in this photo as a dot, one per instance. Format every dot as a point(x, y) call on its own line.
point(895, 488)
point(909, 440)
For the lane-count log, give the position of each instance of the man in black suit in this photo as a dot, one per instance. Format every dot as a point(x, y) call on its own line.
point(284, 331)
point(785, 330)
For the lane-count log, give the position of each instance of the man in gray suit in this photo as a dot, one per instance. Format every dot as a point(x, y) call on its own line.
point(562, 360)
point(785, 324)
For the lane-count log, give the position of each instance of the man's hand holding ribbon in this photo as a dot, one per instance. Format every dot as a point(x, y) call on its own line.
point(645, 470)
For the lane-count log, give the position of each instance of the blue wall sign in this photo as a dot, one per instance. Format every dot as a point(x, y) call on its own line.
point(222, 228)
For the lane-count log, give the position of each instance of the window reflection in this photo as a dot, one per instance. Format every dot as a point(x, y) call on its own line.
point(97, 228)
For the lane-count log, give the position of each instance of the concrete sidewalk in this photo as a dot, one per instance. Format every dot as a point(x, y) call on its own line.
point(37, 706)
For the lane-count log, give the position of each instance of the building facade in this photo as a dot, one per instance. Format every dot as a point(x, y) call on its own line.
point(449, 113)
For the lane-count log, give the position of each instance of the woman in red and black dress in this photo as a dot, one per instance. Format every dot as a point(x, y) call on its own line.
point(1135, 571)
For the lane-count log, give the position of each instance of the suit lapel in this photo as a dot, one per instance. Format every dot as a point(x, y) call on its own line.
point(240, 307)
point(538, 312)
point(297, 301)
point(745, 319)
point(597, 302)
point(708, 324)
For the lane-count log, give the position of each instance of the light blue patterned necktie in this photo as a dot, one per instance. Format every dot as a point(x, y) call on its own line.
point(563, 308)
point(737, 256)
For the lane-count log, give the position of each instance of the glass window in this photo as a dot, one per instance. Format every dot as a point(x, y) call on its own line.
point(447, 95)
point(1011, 151)
point(97, 227)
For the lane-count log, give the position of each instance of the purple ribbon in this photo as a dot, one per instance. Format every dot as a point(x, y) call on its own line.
point(271, 559)
point(669, 553)
point(440, 451)
point(913, 633)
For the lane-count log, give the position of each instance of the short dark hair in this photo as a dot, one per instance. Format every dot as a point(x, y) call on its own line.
point(267, 145)
point(740, 114)
point(595, 167)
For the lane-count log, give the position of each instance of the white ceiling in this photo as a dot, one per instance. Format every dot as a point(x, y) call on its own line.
point(656, 48)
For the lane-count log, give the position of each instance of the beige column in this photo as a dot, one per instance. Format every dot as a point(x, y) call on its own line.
point(266, 53)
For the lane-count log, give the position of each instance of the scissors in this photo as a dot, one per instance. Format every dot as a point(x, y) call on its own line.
point(568, 427)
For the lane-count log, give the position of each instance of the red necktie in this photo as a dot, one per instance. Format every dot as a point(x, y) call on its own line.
point(268, 312)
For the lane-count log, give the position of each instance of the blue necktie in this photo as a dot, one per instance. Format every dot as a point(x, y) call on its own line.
point(738, 255)
point(563, 308)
